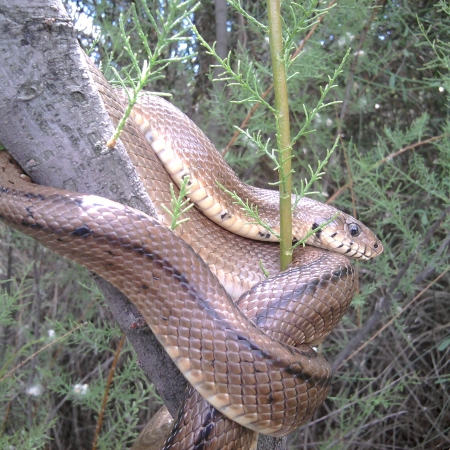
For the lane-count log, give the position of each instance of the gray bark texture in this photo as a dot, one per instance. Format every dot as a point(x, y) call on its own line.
point(53, 122)
point(220, 12)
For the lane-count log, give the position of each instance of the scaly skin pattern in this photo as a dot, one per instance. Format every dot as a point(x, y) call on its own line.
point(262, 374)
point(190, 153)
point(240, 370)
point(235, 261)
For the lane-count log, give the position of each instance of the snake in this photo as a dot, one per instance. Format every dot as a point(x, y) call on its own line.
point(243, 342)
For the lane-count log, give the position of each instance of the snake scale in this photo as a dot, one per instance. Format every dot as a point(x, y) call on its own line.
point(242, 341)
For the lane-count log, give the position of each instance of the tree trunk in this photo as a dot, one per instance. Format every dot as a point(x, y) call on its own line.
point(221, 39)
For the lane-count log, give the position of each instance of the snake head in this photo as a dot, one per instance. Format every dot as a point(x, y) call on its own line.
point(343, 234)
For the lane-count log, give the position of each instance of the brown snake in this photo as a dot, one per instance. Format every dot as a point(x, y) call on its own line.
point(254, 365)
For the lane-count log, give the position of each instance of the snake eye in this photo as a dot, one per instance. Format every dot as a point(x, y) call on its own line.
point(354, 229)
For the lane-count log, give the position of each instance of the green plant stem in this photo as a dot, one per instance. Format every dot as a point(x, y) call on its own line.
point(283, 130)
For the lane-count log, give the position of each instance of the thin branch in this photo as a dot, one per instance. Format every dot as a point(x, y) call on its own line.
point(106, 393)
point(269, 89)
point(283, 130)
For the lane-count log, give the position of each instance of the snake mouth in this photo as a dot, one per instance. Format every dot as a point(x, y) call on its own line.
point(360, 249)
point(369, 252)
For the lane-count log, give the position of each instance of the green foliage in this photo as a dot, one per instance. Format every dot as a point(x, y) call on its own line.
point(165, 28)
point(58, 343)
point(180, 204)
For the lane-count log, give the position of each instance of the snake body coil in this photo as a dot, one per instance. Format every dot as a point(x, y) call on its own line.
point(254, 365)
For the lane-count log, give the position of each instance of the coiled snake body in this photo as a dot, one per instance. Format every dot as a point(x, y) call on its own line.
point(254, 365)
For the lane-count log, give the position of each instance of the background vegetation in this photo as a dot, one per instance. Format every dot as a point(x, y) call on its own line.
point(391, 170)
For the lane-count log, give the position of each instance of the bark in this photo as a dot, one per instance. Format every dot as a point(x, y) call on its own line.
point(221, 39)
point(221, 45)
point(53, 122)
